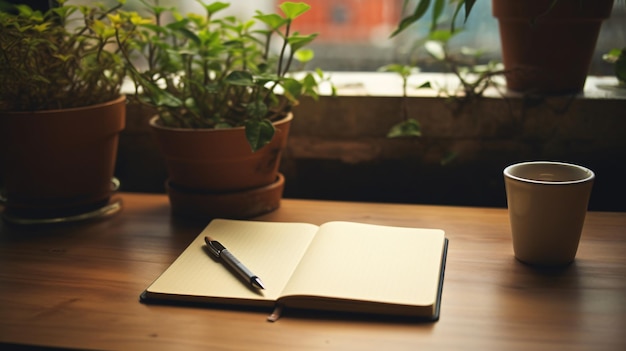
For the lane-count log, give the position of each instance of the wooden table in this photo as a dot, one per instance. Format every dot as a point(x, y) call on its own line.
point(77, 286)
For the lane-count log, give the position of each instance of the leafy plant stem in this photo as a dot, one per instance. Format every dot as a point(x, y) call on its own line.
point(280, 72)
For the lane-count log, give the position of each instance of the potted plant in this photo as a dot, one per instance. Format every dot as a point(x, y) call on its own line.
point(547, 45)
point(60, 111)
point(223, 96)
point(618, 58)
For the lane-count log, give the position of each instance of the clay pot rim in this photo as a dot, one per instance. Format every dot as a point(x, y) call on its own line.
point(119, 99)
point(154, 123)
point(564, 11)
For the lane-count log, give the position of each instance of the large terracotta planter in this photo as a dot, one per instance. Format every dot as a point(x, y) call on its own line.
point(60, 162)
point(214, 173)
point(551, 53)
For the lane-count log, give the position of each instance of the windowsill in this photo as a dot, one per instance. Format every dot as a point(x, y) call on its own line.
point(390, 84)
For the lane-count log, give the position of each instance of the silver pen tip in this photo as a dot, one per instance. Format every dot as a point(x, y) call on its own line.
point(258, 283)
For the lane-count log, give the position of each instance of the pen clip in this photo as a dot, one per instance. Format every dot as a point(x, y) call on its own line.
point(214, 246)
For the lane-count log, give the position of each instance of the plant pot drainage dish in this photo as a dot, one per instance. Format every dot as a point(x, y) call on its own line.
point(234, 204)
point(100, 210)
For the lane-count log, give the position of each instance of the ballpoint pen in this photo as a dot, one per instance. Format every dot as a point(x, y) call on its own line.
point(219, 251)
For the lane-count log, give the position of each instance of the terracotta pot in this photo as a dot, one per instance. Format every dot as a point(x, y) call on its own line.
point(214, 171)
point(219, 160)
point(59, 162)
point(551, 53)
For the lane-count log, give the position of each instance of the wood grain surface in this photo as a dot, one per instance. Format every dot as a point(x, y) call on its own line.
point(77, 286)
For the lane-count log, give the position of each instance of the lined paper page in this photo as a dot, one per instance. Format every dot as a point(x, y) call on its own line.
point(270, 250)
point(369, 262)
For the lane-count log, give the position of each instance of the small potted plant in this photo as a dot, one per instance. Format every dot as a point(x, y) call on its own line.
point(547, 45)
point(60, 110)
point(618, 58)
point(223, 95)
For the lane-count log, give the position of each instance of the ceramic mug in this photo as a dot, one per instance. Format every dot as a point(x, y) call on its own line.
point(547, 203)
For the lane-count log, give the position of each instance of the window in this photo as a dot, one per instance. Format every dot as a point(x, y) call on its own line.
point(362, 43)
point(354, 34)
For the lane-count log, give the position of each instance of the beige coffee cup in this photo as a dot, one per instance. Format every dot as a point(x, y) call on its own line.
point(547, 203)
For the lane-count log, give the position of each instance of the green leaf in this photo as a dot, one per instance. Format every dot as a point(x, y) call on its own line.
point(273, 20)
point(102, 29)
point(248, 24)
point(259, 133)
point(62, 57)
point(304, 55)
point(265, 77)
point(425, 85)
point(64, 11)
point(155, 9)
point(319, 73)
point(153, 27)
point(448, 158)
point(158, 96)
point(419, 12)
point(293, 10)
point(408, 128)
point(27, 11)
point(257, 109)
point(293, 88)
point(402, 70)
point(41, 27)
point(214, 7)
point(442, 35)
point(299, 41)
point(437, 11)
point(176, 25)
point(241, 78)
point(309, 85)
point(435, 48)
point(189, 35)
point(612, 55)
point(467, 5)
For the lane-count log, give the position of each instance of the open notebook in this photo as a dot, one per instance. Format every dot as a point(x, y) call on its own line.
point(338, 266)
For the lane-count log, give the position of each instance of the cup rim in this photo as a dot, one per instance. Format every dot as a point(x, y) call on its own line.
point(590, 173)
